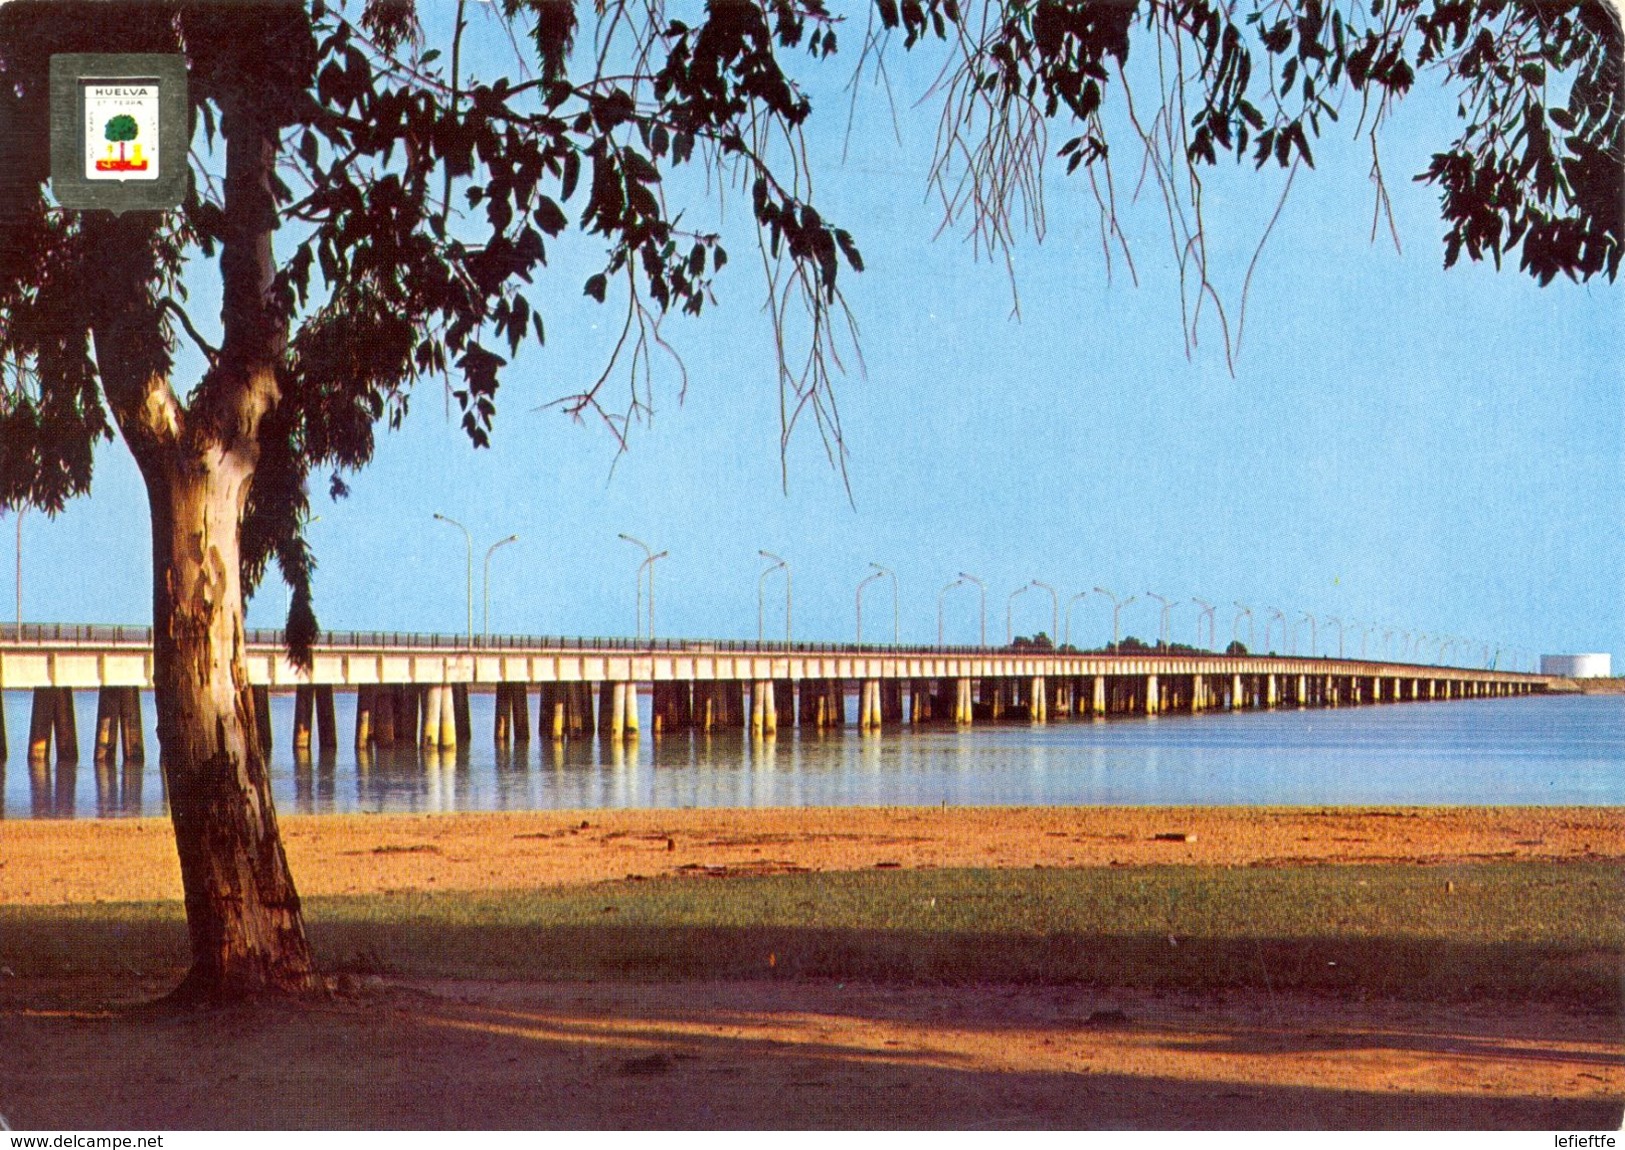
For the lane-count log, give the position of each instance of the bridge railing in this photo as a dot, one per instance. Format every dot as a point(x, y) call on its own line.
point(94, 634)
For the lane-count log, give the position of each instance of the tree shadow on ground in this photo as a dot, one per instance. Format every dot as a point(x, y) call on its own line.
point(715, 1055)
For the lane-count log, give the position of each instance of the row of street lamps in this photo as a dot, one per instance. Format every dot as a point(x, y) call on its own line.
point(1411, 642)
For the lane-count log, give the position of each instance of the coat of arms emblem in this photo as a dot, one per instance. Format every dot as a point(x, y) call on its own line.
point(121, 130)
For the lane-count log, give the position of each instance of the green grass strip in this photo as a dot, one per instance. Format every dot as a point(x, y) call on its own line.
point(1552, 931)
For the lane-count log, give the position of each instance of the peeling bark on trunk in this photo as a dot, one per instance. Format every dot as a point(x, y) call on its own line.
point(198, 461)
point(242, 910)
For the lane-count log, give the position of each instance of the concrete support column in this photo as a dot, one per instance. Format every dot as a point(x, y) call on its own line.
point(327, 724)
point(1272, 691)
point(433, 697)
point(890, 692)
point(758, 707)
point(784, 701)
point(519, 711)
point(107, 724)
point(1097, 699)
point(1152, 702)
point(304, 710)
point(135, 739)
point(386, 703)
point(365, 701)
point(1237, 699)
point(1198, 694)
point(41, 721)
point(1038, 705)
point(612, 710)
point(629, 715)
point(501, 718)
point(869, 705)
point(4, 751)
point(459, 714)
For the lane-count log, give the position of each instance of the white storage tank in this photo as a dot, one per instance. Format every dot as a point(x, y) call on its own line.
point(1576, 666)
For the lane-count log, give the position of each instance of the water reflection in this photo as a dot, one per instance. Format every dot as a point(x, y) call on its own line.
point(1538, 751)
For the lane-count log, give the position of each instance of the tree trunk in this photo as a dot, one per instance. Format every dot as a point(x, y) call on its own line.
point(242, 910)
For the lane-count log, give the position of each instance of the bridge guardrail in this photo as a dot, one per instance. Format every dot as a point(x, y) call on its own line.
point(111, 634)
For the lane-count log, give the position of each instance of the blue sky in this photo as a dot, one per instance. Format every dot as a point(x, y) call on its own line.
point(1408, 447)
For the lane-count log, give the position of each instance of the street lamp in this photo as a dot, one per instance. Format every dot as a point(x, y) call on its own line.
point(866, 581)
point(649, 562)
point(1010, 613)
point(469, 539)
point(19, 571)
point(777, 563)
point(1162, 628)
point(1314, 638)
point(1235, 627)
point(956, 583)
point(1205, 613)
point(1339, 622)
point(1054, 610)
point(1067, 642)
point(982, 587)
point(1117, 609)
point(1274, 614)
point(893, 575)
point(1360, 629)
point(485, 580)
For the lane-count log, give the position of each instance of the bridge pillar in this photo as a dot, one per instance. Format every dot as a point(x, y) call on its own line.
point(770, 707)
point(869, 705)
point(433, 696)
point(891, 701)
point(1097, 701)
point(107, 724)
point(3, 750)
point(1151, 700)
point(1038, 708)
point(1198, 692)
point(758, 707)
point(464, 729)
point(629, 717)
point(612, 710)
point(501, 717)
point(327, 726)
point(784, 702)
point(1237, 700)
point(365, 701)
point(519, 712)
point(304, 706)
point(386, 705)
point(1272, 691)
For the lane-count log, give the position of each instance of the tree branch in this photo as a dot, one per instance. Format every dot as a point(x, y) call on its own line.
point(168, 303)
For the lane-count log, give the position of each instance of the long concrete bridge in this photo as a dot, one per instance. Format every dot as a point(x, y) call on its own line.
point(415, 687)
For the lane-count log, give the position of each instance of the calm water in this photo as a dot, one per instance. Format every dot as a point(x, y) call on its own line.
point(1545, 751)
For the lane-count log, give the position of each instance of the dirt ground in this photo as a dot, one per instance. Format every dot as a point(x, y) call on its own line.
point(86, 1054)
point(45, 862)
